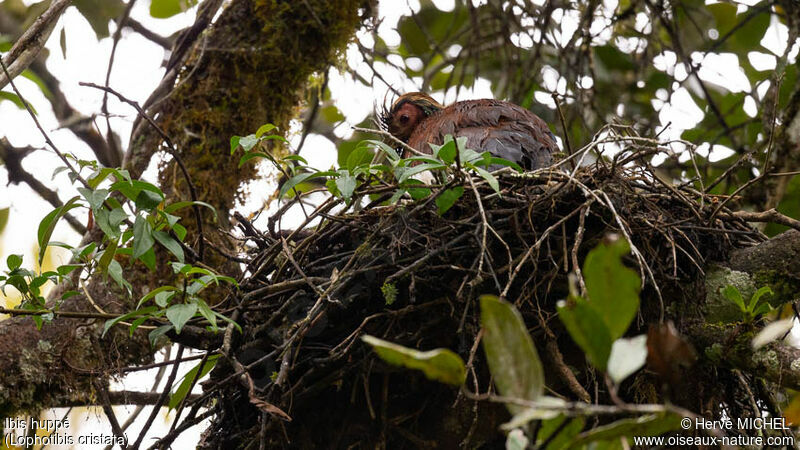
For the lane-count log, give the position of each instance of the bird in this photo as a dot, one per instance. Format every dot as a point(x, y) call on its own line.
point(502, 128)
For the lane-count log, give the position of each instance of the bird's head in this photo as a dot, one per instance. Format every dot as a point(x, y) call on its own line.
point(408, 111)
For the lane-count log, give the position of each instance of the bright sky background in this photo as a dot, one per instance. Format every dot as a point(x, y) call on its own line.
point(137, 70)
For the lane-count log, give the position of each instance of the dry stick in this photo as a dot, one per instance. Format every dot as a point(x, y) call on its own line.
point(67, 314)
point(300, 271)
point(563, 126)
point(196, 377)
point(731, 197)
point(390, 136)
point(174, 152)
point(643, 266)
point(161, 399)
point(770, 216)
point(578, 239)
point(112, 418)
point(536, 245)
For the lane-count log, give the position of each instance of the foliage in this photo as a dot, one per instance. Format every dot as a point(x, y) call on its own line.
point(360, 171)
point(755, 307)
point(517, 369)
point(597, 323)
point(133, 218)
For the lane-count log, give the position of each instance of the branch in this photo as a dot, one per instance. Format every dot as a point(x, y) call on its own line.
point(28, 46)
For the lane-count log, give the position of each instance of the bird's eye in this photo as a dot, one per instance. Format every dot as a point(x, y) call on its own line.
point(404, 119)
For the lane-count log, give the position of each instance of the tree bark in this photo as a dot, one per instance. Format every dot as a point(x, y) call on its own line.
point(249, 68)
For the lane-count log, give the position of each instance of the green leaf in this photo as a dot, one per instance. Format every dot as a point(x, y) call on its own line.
point(162, 299)
point(627, 356)
point(170, 244)
point(266, 128)
point(66, 269)
point(96, 178)
point(447, 151)
point(180, 205)
point(207, 312)
point(135, 313)
point(419, 168)
point(391, 153)
point(13, 262)
point(62, 42)
point(180, 231)
point(752, 31)
point(108, 255)
point(132, 189)
point(732, 293)
point(162, 9)
point(587, 329)
point(149, 258)
point(764, 290)
point(448, 198)
point(142, 237)
point(251, 155)
point(360, 155)
point(94, 198)
point(155, 292)
point(248, 142)
point(649, 425)
point(489, 178)
point(235, 143)
point(612, 288)
point(346, 184)
point(512, 357)
point(439, 364)
point(103, 219)
point(157, 333)
point(148, 200)
point(191, 376)
point(115, 272)
point(297, 179)
point(179, 314)
point(14, 99)
point(48, 224)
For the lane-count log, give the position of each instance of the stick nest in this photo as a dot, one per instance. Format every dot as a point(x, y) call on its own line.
point(408, 275)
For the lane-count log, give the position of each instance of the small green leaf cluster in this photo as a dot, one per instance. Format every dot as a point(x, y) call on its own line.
point(29, 284)
point(447, 162)
point(754, 308)
point(133, 219)
point(177, 303)
point(518, 374)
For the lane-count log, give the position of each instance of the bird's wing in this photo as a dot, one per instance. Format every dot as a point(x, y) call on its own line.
point(506, 130)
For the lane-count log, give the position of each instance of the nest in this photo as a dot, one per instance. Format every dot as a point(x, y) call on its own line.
point(408, 275)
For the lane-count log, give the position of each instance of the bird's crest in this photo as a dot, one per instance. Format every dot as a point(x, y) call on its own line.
point(428, 105)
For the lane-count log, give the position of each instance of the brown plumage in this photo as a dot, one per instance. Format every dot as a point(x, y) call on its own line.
point(504, 129)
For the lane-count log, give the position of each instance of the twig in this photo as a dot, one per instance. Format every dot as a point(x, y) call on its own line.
point(769, 216)
point(386, 134)
point(563, 126)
